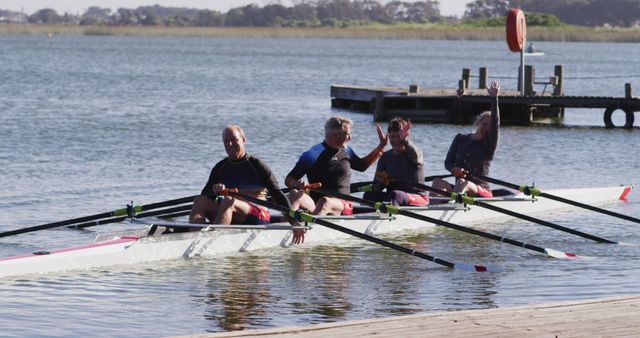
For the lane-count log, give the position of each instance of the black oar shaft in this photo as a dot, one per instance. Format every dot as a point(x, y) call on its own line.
point(56, 224)
point(351, 232)
point(168, 203)
point(87, 219)
point(523, 216)
point(441, 222)
point(589, 207)
point(543, 222)
point(562, 199)
point(383, 242)
point(160, 212)
point(472, 231)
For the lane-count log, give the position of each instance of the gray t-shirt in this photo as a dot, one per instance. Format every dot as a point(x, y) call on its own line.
point(408, 165)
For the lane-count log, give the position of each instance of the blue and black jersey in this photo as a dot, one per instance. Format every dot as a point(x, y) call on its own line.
point(329, 166)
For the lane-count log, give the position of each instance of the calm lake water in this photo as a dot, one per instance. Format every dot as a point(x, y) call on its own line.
point(88, 124)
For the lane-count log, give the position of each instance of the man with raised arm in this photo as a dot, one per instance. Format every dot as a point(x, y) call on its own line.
point(250, 175)
point(330, 164)
point(399, 169)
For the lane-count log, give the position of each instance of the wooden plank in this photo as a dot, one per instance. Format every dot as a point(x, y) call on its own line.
point(617, 316)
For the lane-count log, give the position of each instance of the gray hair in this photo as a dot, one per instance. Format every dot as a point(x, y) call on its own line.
point(336, 123)
point(480, 116)
point(235, 127)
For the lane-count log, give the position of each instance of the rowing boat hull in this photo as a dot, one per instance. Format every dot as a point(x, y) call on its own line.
point(133, 248)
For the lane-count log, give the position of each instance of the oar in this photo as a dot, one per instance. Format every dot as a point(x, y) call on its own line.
point(301, 216)
point(180, 210)
point(472, 201)
point(387, 208)
point(117, 212)
point(528, 190)
point(366, 186)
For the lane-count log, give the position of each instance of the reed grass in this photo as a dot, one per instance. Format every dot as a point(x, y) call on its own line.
point(419, 32)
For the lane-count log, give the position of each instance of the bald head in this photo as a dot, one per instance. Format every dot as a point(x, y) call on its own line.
point(233, 139)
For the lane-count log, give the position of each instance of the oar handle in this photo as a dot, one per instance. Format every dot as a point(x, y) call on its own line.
point(310, 186)
point(228, 192)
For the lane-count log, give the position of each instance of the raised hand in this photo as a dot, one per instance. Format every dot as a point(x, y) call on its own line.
point(404, 131)
point(384, 138)
point(494, 89)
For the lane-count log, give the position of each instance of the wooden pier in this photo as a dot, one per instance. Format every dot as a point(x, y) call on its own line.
point(444, 105)
point(607, 317)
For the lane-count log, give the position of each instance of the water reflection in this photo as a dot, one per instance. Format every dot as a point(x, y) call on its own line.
point(241, 299)
point(321, 273)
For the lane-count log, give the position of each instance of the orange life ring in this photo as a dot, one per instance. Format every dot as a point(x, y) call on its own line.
point(516, 30)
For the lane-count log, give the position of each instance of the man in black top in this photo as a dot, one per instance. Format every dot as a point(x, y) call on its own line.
point(330, 163)
point(250, 175)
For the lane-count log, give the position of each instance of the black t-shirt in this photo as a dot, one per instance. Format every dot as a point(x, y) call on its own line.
point(250, 175)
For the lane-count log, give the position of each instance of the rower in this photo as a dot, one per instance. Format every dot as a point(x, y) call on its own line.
point(330, 164)
point(531, 48)
point(398, 168)
point(250, 175)
point(473, 153)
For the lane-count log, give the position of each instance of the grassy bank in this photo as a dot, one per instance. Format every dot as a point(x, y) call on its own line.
point(423, 32)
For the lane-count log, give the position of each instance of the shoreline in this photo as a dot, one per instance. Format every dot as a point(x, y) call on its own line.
point(603, 317)
point(433, 32)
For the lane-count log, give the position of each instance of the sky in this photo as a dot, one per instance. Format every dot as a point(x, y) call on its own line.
point(447, 7)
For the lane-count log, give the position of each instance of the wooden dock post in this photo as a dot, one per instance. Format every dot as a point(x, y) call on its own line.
point(379, 114)
point(529, 78)
point(462, 86)
point(466, 74)
point(482, 80)
point(559, 72)
point(628, 93)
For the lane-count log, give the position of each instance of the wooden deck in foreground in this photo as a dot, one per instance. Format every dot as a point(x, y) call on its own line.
point(607, 317)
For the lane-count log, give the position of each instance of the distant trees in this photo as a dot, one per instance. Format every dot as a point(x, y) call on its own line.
point(95, 16)
point(207, 18)
point(481, 9)
point(344, 13)
point(45, 16)
point(587, 12)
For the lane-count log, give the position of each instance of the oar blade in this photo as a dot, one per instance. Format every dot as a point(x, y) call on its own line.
point(477, 268)
point(564, 255)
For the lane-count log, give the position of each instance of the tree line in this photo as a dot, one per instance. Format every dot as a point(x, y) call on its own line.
point(346, 13)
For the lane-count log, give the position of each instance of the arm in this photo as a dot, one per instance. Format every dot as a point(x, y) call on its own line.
point(294, 183)
point(494, 133)
point(280, 198)
point(294, 177)
point(381, 172)
point(208, 189)
point(271, 183)
point(450, 160)
point(375, 154)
